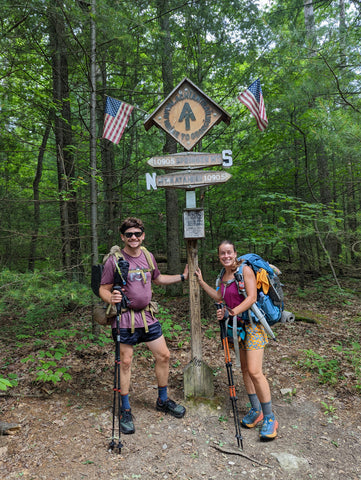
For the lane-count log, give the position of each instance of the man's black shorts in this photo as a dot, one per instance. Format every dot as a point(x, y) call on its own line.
point(139, 335)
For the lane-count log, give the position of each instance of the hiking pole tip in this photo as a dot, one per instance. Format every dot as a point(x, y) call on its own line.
point(119, 447)
point(113, 446)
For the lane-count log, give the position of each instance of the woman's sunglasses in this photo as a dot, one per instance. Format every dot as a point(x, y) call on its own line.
point(130, 234)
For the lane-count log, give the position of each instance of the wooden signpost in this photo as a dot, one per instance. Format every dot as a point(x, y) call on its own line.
point(187, 160)
point(187, 114)
point(193, 178)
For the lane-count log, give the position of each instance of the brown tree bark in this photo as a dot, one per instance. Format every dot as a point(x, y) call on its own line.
point(36, 183)
point(71, 248)
point(173, 248)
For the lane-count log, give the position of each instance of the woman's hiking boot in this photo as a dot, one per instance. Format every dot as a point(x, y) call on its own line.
point(169, 406)
point(126, 422)
point(252, 418)
point(269, 428)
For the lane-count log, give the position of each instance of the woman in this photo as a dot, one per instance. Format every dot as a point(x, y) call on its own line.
point(252, 347)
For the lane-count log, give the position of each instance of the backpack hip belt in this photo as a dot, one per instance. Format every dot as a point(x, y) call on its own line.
point(148, 308)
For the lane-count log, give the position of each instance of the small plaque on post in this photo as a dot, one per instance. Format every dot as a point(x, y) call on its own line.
point(193, 220)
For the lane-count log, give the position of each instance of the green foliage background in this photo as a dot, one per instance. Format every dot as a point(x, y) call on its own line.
point(294, 195)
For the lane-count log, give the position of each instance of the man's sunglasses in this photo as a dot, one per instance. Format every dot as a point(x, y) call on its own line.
point(130, 234)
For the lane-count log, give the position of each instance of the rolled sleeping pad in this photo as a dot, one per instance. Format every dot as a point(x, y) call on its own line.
point(287, 317)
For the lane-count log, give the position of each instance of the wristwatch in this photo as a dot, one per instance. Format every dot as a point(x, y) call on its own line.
point(182, 277)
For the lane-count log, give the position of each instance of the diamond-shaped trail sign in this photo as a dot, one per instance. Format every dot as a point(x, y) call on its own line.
point(187, 114)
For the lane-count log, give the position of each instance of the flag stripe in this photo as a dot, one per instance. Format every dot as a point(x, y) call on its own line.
point(252, 98)
point(116, 117)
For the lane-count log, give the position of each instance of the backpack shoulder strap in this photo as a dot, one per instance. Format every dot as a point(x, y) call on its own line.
point(115, 251)
point(219, 278)
point(148, 257)
point(240, 268)
point(117, 256)
point(239, 278)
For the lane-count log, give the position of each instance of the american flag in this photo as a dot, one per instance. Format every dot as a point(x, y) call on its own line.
point(253, 99)
point(116, 117)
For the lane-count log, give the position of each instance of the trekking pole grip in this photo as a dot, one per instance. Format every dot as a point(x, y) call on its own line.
point(222, 324)
point(119, 304)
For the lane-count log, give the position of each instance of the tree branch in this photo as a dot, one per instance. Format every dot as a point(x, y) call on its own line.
point(306, 158)
point(338, 84)
point(326, 253)
point(241, 454)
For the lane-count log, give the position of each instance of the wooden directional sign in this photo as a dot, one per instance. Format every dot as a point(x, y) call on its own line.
point(187, 114)
point(192, 179)
point(187, 160)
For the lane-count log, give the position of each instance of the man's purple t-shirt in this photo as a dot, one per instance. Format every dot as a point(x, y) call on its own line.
point(138, 291)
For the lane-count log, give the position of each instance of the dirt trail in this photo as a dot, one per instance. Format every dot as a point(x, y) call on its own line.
point(65, 431)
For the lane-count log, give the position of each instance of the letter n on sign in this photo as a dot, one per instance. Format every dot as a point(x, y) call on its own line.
point(151, 180)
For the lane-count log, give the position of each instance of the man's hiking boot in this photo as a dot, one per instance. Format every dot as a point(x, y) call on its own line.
point(252, 418)
point(269, 428)
point(169, 406)
point(126, 422)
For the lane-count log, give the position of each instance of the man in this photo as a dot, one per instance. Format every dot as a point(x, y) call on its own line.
point(137, 323)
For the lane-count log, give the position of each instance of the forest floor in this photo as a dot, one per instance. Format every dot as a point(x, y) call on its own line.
point(65, 429)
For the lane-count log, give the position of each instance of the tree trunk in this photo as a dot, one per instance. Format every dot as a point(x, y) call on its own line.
point(342, 32)
point(351, 203)
point(109, 213)
point(351, 209)
point(71, 251)
point(309, 21)
point(36, 183)
point(93, 141)
point(324, 178)
point(173, 248)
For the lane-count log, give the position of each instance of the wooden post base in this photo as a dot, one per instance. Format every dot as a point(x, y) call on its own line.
point(198, 380)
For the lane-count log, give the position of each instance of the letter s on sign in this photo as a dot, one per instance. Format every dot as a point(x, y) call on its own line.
point(227, 158)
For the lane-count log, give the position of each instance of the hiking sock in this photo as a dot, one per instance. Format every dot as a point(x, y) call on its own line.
point(163, 393)
point(125, 402)
point(266, 408)
point(255, 403)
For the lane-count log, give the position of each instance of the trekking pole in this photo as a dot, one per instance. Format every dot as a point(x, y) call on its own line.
point(116, 388)
point(232, 388)
point(120, 280)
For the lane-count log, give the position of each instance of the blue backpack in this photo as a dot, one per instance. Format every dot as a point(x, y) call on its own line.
point(270, 300)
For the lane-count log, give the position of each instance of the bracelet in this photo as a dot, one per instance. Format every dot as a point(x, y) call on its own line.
point(182, 277)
